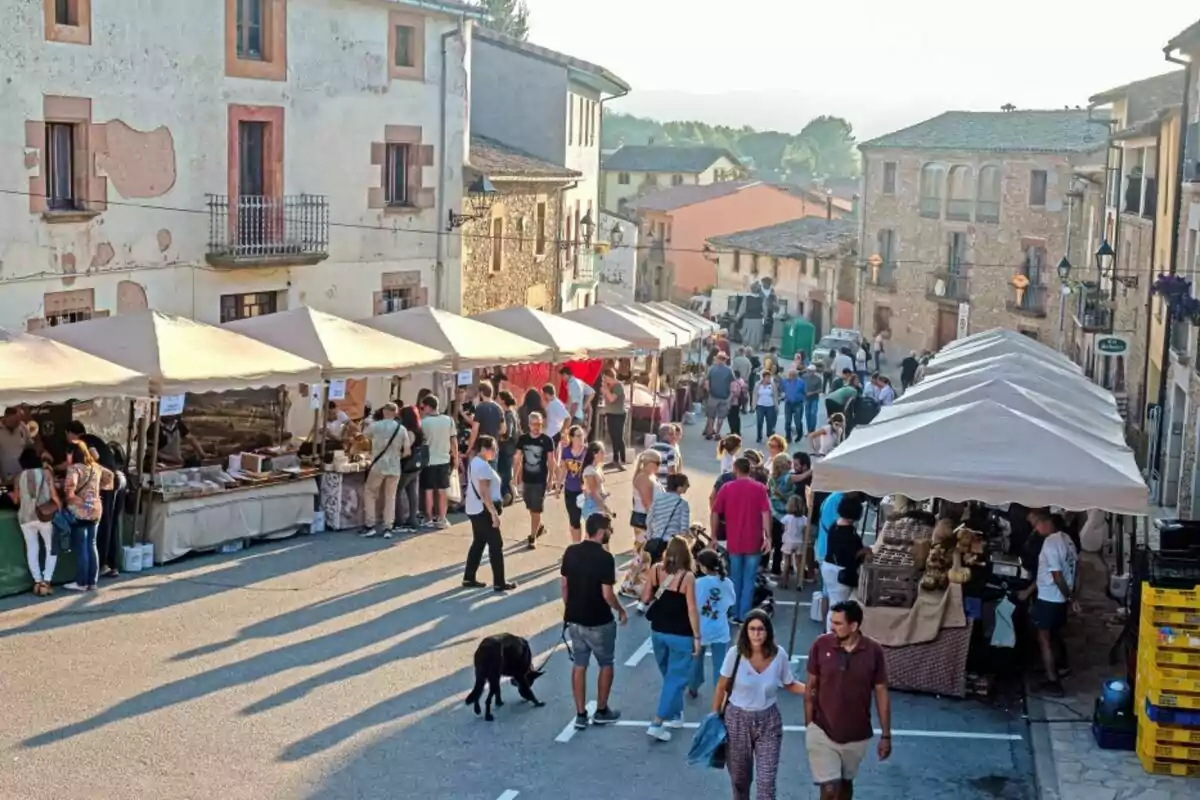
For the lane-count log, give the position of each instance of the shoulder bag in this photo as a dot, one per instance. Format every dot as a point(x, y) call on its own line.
point(386, 447)
point(663, 588)
point(720, 755)
point(44, 511)
point(475, 490)
point(657, 544)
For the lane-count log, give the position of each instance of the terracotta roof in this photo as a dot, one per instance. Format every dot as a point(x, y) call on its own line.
point(665, 158)
point(607, 81)
point(1067, 131)
point(688, 195)
point(810, 236)
point(1146, 97)
point(499, 161)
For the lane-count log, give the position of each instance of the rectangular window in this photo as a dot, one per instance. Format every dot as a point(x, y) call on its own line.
point(64, 308)
point(957, 252)
point(676, 180)
point(1037, 187)
point(497, 244)
point(404, 54)
point(1035, 260)
point(395, 170)
point(889, 177)
point(623, 178)
point(66, 12)
point(397, 299)
point(252, 157)
point(60, 167)
point(570, 119)
point(737, 261)
point(250, 29)
point(245, 306)
point(775, 268)
point(754, 264)
point(541, 230)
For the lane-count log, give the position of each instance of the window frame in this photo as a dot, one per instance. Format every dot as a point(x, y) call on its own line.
point(243, 27)
point(541, 213)
point(78, 31)
point(237, 302)
point(496, 237)
point(74, 201)
point(271, 63)
point(415, 23)
point(1045, 187)
point(936, 180)
point(624, 179)
point(397, 153)
point(889, 178)
point(983, 197)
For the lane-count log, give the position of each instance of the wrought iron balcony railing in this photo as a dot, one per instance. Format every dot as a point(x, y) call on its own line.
point(255, 229)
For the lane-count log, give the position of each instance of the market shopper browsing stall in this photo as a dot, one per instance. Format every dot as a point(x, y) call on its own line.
point(1053, 592)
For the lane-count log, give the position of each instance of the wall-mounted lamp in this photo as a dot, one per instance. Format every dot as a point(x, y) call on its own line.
point(481, 195)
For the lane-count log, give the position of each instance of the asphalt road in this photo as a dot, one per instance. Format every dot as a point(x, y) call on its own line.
point(333, 667)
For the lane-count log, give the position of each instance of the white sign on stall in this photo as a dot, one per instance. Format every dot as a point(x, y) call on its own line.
point(171, 405)
point(964, 320)
point(464, 377)
point(314, 396)
point(337, 389)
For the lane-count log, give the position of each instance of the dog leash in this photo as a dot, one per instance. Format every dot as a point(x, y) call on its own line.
point(562, 639)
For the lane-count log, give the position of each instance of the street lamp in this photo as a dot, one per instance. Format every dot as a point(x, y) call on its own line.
point(481, 195)
point(1104, 258)
point(615, 236)
point(1064, 269)
point(587, 226)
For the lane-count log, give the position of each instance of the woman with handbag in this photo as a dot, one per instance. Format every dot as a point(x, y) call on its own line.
point(82, 490)
point(844, 552)
point(483, 507)
point(746, 697)
point(670, 596)
point(594, 499)
point(570, 477)
point(38, 503)
point(645, 488)
point(408, 495)
point(670, 515)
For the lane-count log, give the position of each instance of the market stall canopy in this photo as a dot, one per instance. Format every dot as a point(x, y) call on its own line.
point(566, 338)
point(36, 370)
point(470, 343)
point(984, 451)
point(693, 330)
point(1068, 388)
point(985, 336)
point(344, 349)
point(999, 347)
point(1108, 427)
point(637, 330)
point(682, 334)
point(687, 315)
point(181, 355)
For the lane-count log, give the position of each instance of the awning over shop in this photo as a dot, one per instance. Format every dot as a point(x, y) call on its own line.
point(181, 355)
point(986, 452)
point(470, 343)
point(344, 349)
point(38, 370)
point(1000, 347)
point(566, 338)
point(633, 328)
point(682, 333)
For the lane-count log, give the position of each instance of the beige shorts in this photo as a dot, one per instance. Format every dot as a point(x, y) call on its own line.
point(829, 761)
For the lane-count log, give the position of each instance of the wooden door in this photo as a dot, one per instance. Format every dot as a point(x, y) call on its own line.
point(947, 326)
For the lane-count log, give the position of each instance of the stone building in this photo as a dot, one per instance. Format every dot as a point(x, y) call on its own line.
point(964, 218)
point(217, 165)
point(512, 254)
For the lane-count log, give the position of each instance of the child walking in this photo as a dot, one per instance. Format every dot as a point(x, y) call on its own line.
point(794, 523)
point(714, 599)
point(727, 451)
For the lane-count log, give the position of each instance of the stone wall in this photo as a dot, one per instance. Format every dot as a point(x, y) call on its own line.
point(525, 277)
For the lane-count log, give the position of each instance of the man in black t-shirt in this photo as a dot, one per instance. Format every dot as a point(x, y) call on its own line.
point(533, 464)
point(588, 576)
point(488, 419)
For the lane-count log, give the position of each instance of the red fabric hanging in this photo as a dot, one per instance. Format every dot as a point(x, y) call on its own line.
point(587, 370)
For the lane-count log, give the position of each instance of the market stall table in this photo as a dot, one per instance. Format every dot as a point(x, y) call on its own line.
point(925, 647)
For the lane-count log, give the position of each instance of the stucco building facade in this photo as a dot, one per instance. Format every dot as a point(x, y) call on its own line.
point(964, 218)
point(638, 169)
point(197, 161)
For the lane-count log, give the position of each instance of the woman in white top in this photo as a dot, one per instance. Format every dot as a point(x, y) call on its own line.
point(482, 501)
point(828, 436)
point(645, 488)
point(755, 669)
point(766, 404)
point(34, 488)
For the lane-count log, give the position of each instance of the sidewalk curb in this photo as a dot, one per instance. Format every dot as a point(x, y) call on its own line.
point(1045, 770)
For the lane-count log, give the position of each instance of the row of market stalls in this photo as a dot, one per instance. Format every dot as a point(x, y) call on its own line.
point(998, 424)
point(285, 367)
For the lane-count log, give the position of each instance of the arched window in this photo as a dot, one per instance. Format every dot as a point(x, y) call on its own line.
point(933, 179)
point(961, 193)
point(987, 208)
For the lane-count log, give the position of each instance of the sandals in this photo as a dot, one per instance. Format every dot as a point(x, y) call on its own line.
point(111, 572)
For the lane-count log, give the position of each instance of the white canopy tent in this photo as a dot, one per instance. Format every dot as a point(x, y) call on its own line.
point(181, 355)
point(637, 330)
point(37, 370)
point(989, 335)
point(1019, 362)
point(344, 349)
point(708, 325)
point(696, 332)
point(468, 342)
point(1107, 427)
point(1070, 389)
point(566, 338)
point(986, 452)
point(999, 347)
point(682, 334)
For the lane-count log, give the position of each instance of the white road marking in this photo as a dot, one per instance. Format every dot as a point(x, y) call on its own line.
point(798, 659)
point(646, 648)
point(568, 733)
point(509, 794)
point(896, 733)
point(804, 604)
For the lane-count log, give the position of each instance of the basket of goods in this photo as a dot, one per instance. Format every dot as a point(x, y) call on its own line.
point(889, 578)
point(951, 556)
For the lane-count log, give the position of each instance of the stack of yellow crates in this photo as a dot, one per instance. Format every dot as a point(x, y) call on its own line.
point(1168, 682)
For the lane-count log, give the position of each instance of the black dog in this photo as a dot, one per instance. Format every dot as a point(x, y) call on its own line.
point(503, 655)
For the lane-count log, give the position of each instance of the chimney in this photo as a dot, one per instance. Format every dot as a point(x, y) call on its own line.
point(829, 206)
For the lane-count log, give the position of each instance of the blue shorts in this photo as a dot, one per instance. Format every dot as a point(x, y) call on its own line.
point(600, 641)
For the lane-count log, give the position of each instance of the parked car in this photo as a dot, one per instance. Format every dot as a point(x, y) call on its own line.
point(830, 346)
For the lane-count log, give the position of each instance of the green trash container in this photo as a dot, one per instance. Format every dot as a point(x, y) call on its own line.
point(799, 334)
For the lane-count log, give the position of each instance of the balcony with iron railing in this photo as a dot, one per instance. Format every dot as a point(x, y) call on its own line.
point(254, 230)
point(1092, 312)
point(1029, 303)
point(945, 286)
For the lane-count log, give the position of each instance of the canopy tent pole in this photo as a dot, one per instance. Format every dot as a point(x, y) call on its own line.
point(157, 432)
point(139, 484)
point(800, 578)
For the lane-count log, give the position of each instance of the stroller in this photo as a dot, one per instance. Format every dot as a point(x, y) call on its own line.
point(764, 596)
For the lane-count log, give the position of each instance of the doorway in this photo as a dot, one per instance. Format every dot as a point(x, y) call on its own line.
point(1178, 415)
point(816, 316)
point(947, 327)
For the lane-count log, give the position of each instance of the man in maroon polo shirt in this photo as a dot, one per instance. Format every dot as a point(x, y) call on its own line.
point(845, 669)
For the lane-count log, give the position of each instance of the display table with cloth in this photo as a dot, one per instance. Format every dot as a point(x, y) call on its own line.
point(925, 647)
point(342, 499)
point(177, 527)
point(14, 564)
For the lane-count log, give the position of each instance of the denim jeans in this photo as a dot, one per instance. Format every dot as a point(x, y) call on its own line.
point(87, 558)
point(673, 653)
point(767, 414)
point(504, 465)
point(811, 406)
point(742, 571)
point(793, 414)
point(718, 657)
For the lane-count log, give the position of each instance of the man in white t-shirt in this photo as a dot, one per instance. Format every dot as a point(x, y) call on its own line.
point(389, 446)
point(843, 361)
point(1058, 563)
point(579, 396)
point(435, 477)
point(557, 414)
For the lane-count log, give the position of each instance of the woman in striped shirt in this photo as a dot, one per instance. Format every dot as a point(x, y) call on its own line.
point(669, 516)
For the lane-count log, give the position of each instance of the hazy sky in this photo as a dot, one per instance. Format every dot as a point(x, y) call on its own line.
point(881, 63)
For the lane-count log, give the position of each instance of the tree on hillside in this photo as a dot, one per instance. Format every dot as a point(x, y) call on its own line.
point(830, 143)
point(510, 17)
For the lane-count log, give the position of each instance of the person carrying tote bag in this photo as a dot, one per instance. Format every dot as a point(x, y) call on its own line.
point(669, 516)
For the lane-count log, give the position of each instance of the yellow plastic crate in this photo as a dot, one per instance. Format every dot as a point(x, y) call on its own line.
point(1160, 766)
point(1167, 698)
point(1167, 677)
point(1176, 637)
point(1182, 658)
point(1184, 599)
point(1168, 735)
point(1170, 617)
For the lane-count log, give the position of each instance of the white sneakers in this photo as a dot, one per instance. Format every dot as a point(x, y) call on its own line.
point(658, 732)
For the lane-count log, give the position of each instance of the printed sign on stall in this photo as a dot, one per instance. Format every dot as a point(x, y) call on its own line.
point(337, 389)
point(171, 405)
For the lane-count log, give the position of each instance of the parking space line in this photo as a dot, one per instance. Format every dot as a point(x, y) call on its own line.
point(568, 733)
point(509, 794)
point(646, 648)
point(898, 733)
